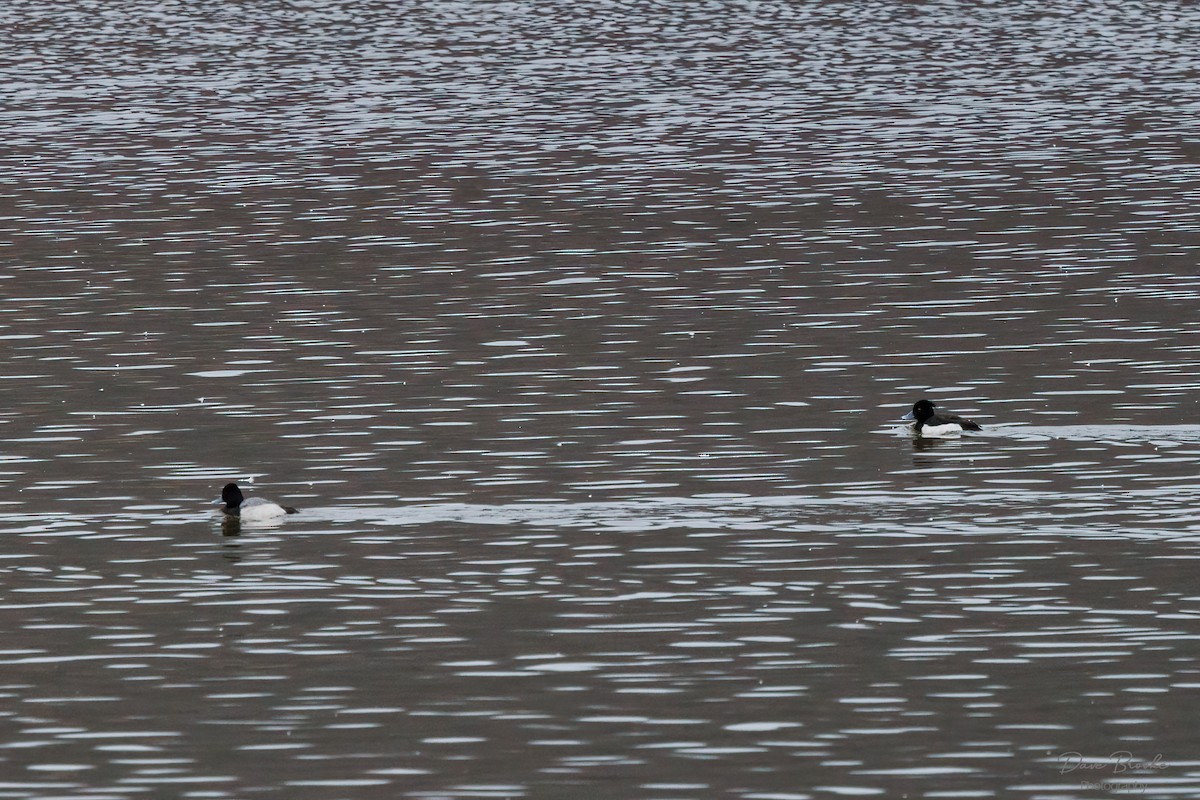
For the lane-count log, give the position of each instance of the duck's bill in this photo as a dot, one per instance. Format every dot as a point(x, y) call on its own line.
point(908, 416)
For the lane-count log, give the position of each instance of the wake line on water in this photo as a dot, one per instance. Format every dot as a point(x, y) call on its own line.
point(1152, 434)
point(732, 512)
point(715, 512)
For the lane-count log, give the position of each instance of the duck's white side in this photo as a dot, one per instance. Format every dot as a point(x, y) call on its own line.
point(950, 430)
point(257, 509)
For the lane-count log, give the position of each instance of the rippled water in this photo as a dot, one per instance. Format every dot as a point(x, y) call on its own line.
point(579, 333)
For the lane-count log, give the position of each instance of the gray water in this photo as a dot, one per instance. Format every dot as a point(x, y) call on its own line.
point(579, 333)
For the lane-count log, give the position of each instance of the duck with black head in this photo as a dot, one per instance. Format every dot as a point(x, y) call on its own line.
point(256, 509)
point(932, 425)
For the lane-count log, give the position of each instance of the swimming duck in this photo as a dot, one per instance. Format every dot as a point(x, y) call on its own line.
point(931, 425)
point(256, 509)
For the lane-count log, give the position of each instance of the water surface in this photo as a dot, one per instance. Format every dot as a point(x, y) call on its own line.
point(579, 332)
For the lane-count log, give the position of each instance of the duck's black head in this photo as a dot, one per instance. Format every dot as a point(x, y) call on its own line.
point(231, 495)
point(922, 410)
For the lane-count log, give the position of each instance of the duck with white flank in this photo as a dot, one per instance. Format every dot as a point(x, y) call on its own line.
point(256, 509)
point(932, 425)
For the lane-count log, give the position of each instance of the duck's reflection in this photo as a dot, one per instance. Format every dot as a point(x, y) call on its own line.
point(921, 444)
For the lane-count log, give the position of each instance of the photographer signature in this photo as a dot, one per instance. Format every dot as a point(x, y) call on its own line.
point(1119, 762)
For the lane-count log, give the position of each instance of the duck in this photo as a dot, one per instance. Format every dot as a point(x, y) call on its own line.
point(931, 425)
point(256, 509)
